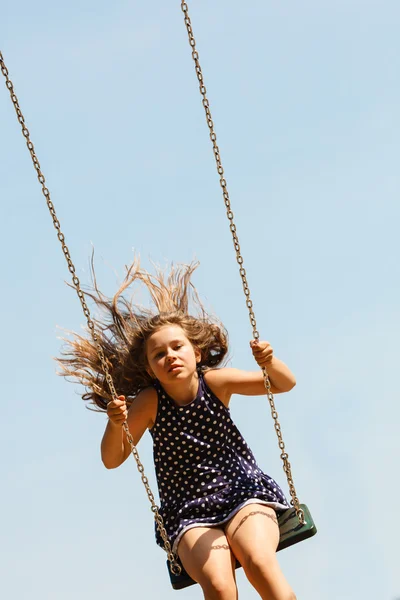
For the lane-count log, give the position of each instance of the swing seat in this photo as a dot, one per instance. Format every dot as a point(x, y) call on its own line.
point(291, 532)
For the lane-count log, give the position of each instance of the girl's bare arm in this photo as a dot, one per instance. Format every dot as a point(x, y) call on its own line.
point(225, 382)
point(115, 448)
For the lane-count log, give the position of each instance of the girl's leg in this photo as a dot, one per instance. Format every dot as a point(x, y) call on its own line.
point(207, 558)
point(253, 535)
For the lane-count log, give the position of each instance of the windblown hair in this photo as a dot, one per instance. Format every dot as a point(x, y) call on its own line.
point(126, 327)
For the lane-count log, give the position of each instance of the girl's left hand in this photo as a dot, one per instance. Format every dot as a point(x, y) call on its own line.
point(262, 352)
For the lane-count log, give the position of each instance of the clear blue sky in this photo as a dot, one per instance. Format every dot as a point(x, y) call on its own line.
point(305, 98)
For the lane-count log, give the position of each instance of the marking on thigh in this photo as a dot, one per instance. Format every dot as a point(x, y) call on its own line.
point(251, 514)
point(220, 547)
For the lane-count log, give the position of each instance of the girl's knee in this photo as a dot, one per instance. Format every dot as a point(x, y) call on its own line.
point(258, 564)
point(262, 570)
point(218, 587)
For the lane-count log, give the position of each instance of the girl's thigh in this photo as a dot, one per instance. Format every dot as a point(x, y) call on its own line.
point(207, 558)
point(253, 535)
point(254, 526)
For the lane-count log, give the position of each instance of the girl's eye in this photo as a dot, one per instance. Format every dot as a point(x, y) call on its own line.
point(178, 346)
point(159, 355)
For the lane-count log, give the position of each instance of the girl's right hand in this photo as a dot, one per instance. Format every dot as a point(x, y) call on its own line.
point(117, 411)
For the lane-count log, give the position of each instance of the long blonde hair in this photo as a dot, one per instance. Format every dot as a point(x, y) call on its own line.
point(125, 328)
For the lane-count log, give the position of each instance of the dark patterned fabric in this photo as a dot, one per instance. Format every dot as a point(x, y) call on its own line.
point(205, 470)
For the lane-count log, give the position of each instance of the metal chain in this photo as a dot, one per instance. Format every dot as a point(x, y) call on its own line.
point(175, 567)
point(249, 303)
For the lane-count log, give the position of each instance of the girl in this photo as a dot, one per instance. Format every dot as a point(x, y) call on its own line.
point(216, 503)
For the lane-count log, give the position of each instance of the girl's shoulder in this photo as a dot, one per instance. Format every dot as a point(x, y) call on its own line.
point(218, 382)
point(144, 406)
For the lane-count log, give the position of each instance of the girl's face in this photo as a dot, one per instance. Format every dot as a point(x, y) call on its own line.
point(170, 354)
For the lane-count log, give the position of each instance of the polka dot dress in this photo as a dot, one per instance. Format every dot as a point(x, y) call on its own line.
point(205, 470)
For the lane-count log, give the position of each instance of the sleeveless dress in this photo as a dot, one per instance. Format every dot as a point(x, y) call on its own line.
point(205, 470)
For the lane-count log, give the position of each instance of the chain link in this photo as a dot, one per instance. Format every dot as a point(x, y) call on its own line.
point(175, 567)
point(242, 271)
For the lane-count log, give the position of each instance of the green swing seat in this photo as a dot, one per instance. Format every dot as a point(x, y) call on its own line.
point(291, 532)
